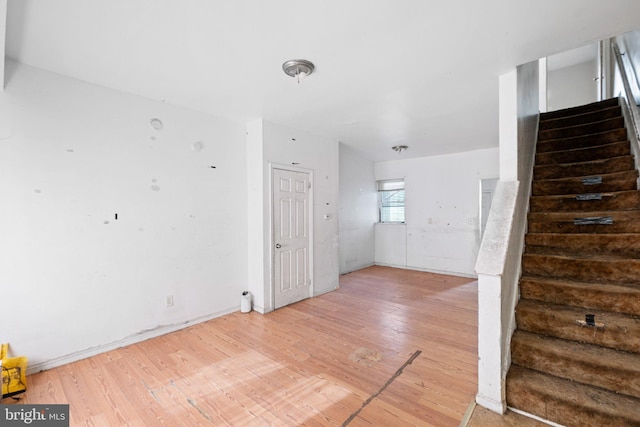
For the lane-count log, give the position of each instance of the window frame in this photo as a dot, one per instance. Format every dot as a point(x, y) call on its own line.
point(388, 186)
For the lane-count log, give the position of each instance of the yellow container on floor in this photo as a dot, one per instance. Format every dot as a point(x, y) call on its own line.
point(14, 373)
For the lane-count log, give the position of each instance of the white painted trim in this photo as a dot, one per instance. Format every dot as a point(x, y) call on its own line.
point(361, 267)
point(427, 270)
point(260, 309)
point(490, 404)
point(131, 339)
point(326, 291)
point(542, 88)
point(290, 168)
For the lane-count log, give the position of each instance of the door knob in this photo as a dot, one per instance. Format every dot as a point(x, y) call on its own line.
point(278, 245)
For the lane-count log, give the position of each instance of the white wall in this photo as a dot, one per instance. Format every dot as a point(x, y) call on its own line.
point(441, 233)
point(76, 281)
point(573, 85)
point(358, 210)
point(289, 147)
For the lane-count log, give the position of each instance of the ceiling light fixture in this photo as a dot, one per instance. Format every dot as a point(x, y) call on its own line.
point(298, 68)
point(399, 148)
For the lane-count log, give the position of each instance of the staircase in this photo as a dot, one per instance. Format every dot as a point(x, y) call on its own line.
point(582, 257)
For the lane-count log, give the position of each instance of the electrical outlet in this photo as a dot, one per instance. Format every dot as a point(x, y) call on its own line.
point(169, 300)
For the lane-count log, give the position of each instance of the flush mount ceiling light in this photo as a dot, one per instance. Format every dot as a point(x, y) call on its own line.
point(399, 148)
point(298, 68)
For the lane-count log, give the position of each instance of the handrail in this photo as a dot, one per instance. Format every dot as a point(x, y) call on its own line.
point(632, 106)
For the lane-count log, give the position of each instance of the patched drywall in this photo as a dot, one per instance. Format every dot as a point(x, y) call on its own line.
point(114, 226)
point(441, 233)
point(358, 207)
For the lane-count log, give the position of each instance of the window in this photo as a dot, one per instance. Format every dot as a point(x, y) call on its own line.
point(391, 200)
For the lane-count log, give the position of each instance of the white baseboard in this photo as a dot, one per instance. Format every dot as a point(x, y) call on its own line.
point(498, 407)
point(429, 270)
point(325, 291)
point(131, 339)
point(360, 267)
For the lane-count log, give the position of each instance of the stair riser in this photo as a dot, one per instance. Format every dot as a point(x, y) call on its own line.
point(594, 116)
point(618, 245)
point(563, 188)
point(610, 201)
point(626, 271)
point(568, 170)
point(584, 155)
point(561, 323)
point(582, 141)
point(618, 226)
point(566, 408)
point(602, 298)
point(574, 362)
point(619, 183)
point(581, 109)
point(587, 129)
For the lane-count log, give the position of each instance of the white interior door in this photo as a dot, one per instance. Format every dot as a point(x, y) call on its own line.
point(291, 217)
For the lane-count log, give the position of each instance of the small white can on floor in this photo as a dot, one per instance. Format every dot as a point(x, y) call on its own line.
point(245, 302)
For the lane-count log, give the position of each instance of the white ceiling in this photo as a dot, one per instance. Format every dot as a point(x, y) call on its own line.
point(417, 72)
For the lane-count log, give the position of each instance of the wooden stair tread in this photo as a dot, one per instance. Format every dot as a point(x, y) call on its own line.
point(587, 117)
point(588, 295)
point(568, 402)
point(586, 257)
point(633, 214)
point(619, 245)
point(604, 151)
point(620, 200)
point(621, 332)
point(610, 182)
point(606, 137)
point(579, 109)
point(622, 271)
point(579, 178)
point(613, 370)
point(585, 168)
point(582, 129)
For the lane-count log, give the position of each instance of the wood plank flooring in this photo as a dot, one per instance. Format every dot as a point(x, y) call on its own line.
point(314, 363)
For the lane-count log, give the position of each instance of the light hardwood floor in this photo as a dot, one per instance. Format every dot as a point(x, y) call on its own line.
point(315, 363)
